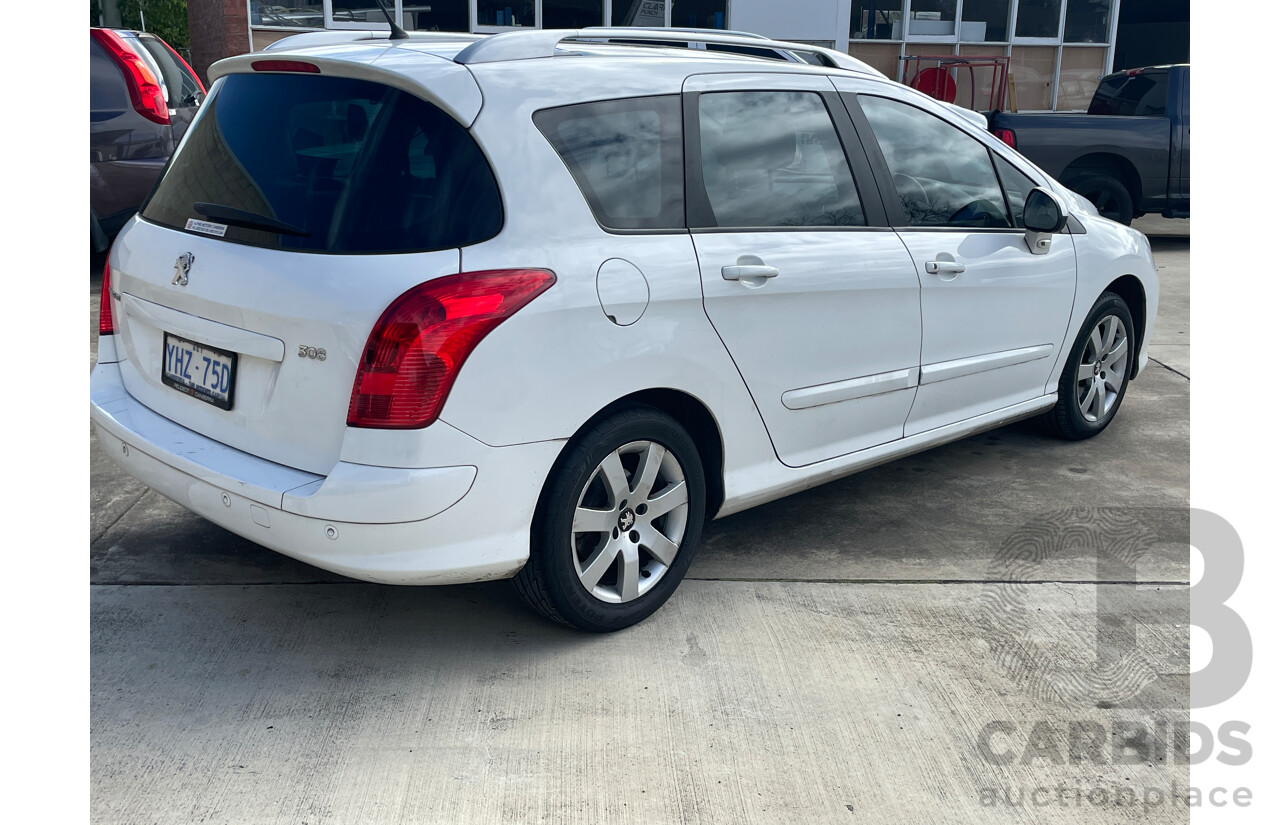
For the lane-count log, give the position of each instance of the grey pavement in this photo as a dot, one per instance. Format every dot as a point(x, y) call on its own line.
point(832, 657)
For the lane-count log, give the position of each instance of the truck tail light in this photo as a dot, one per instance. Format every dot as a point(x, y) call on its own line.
point(1007, 136)
point(422, 340)
point(145, 92)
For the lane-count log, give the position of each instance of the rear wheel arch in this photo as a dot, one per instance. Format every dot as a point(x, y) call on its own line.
point(1104, 164)
point(697, 420)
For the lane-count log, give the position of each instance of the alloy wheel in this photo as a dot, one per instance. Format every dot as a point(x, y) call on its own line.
point(629, 522)
point(1103, 366)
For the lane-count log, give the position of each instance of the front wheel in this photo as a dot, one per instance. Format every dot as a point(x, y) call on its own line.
point(1096, 375)
point(617, 523)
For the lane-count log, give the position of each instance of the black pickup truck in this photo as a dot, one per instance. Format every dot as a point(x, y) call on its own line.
point(1129, 154)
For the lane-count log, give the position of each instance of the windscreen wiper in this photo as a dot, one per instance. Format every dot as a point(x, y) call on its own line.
point(249, 220)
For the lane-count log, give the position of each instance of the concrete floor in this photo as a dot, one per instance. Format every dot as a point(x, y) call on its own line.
point(832, 657)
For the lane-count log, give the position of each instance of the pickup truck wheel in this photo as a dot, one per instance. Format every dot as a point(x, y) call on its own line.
point(618, 523)
point(1108, 194)
point(1096, 374)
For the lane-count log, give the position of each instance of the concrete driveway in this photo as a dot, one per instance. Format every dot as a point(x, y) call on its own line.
point(878, 649)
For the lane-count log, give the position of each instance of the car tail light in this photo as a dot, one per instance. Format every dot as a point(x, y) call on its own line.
point(144, 89)
point(106, 323)
point(422, 340)
point(284, 66)
point(1007, 136)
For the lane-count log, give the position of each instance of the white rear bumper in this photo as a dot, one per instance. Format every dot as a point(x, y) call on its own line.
point(437, 525)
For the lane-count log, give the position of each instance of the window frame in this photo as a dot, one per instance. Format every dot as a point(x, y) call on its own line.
point(700, 217)
point(897, 217)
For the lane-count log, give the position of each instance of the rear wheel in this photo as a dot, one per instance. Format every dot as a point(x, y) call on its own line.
point(1108, 194)
point(617, 523)
point(1096, 375)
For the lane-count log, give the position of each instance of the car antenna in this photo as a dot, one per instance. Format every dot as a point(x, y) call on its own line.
point(397, 33)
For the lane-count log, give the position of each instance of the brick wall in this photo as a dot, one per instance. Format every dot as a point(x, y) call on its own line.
point(219, 28)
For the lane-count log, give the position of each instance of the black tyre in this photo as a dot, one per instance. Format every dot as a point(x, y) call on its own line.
point(1108, 194)
point(617, 524)
point(1096, 374)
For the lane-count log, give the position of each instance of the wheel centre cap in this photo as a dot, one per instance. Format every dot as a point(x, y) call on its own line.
point(1097, 367)
point(626, 520)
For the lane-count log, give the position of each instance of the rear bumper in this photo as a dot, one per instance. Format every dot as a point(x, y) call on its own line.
point(436, 525)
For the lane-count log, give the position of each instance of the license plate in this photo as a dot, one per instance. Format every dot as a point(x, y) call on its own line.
point(199, 370)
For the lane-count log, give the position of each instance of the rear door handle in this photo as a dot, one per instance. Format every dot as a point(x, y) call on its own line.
point(738, 273)
point(943, 267)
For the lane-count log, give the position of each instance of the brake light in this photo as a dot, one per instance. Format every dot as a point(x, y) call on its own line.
point(145, 92)
point(106, 323)
point(1007, 136)
point(284, 66)
point(422, 340)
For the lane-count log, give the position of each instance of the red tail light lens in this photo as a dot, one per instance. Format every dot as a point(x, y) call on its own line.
point(145, 92)
point(421, 342)
point(106, 323)
point(1007, 136)
point(284, 66)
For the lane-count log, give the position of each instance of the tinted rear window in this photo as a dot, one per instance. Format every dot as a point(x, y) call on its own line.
point(1143, 94)
point(626, 156)
point(347, 166)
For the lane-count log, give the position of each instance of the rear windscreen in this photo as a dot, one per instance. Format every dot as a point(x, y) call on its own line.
point(327, 164)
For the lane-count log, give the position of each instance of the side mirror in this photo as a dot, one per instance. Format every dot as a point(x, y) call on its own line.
point(1043, 216)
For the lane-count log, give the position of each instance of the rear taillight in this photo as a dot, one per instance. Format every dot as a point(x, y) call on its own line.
point(106, 323)
point(1007, 136)
point(144, 89)
point(420, 343)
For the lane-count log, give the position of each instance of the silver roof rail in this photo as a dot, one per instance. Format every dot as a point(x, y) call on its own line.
point(732, 32)
point(535, 43)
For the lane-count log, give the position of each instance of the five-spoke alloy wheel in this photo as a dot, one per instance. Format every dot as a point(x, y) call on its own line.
point(617, 523)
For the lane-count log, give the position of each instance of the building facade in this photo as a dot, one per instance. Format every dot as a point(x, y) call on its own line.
point(1053, 51)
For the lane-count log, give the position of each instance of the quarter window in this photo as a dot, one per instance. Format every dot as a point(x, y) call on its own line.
point(943, 177)
point(1017, 187)
point(774, 159)
point(626, 157)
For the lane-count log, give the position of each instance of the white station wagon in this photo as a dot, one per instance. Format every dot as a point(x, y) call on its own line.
point(451, 308)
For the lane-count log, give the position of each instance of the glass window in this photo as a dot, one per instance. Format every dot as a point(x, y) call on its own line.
point(437, 16)
point(876, 20)
point(504, 13)
point(1031, 77)
point(1078, 77)
point(931, 18)
point(288, 13)
point(1088, 21)
point(626, 156)
point(639, 13)
point(1038, 18)
point(985, 21)
point(943, 176)
point(329, 164)
point(1143, 94)
point(773, 159)
point(698, 14)
point(1017, 187)
point(359, 11)
point(572, 14)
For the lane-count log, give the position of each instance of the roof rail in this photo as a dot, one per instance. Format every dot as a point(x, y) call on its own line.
point(733, 32)
point(535, 43)
point(331, 37)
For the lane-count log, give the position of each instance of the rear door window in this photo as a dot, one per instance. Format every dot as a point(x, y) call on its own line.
point(774, 159)
point(328, 164)
point(626, 156)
